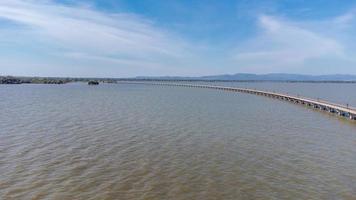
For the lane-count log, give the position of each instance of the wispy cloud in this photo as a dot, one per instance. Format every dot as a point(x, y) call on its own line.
point(43, 37)
point(287, 46)
point(124, 38)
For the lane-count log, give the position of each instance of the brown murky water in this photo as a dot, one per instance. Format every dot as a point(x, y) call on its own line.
point(145, 142)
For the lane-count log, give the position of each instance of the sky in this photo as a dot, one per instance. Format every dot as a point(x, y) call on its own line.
point(127, 38)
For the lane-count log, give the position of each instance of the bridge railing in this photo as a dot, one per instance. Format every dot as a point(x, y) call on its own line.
point(342, 108)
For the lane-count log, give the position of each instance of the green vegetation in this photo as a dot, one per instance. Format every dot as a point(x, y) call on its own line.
point(10, 80)
point(93, 83)
point(32, 80)
point(50, 80)
point(63, 80)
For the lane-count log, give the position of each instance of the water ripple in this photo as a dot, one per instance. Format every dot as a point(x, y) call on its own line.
point(142, 142)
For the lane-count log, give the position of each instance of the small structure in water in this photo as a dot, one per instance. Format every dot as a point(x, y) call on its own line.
point(93, 83)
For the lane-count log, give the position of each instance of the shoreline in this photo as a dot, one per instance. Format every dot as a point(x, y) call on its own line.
point(64, 80)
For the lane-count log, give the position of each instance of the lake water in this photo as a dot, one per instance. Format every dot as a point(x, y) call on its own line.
point(119, 141)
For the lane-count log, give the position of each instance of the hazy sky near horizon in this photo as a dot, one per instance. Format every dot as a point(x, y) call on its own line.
point(124, 38)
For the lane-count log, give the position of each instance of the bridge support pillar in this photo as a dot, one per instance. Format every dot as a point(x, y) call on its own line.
point(340, 113)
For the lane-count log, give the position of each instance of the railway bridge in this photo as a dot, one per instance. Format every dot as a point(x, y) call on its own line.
point(338, 109)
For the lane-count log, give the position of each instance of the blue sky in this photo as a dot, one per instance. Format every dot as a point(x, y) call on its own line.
point(124, 38)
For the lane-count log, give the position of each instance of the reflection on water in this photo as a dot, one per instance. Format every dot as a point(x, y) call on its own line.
point(145, 142)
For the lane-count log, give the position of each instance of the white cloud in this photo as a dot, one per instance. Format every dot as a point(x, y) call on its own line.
point(124, 38)
point(284, 46)
point(345, 20)
point(45, 36)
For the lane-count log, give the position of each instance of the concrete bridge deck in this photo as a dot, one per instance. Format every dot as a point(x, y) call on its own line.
point(338, 109)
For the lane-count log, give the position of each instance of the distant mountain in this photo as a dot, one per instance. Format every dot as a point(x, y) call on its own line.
point(262, 77)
